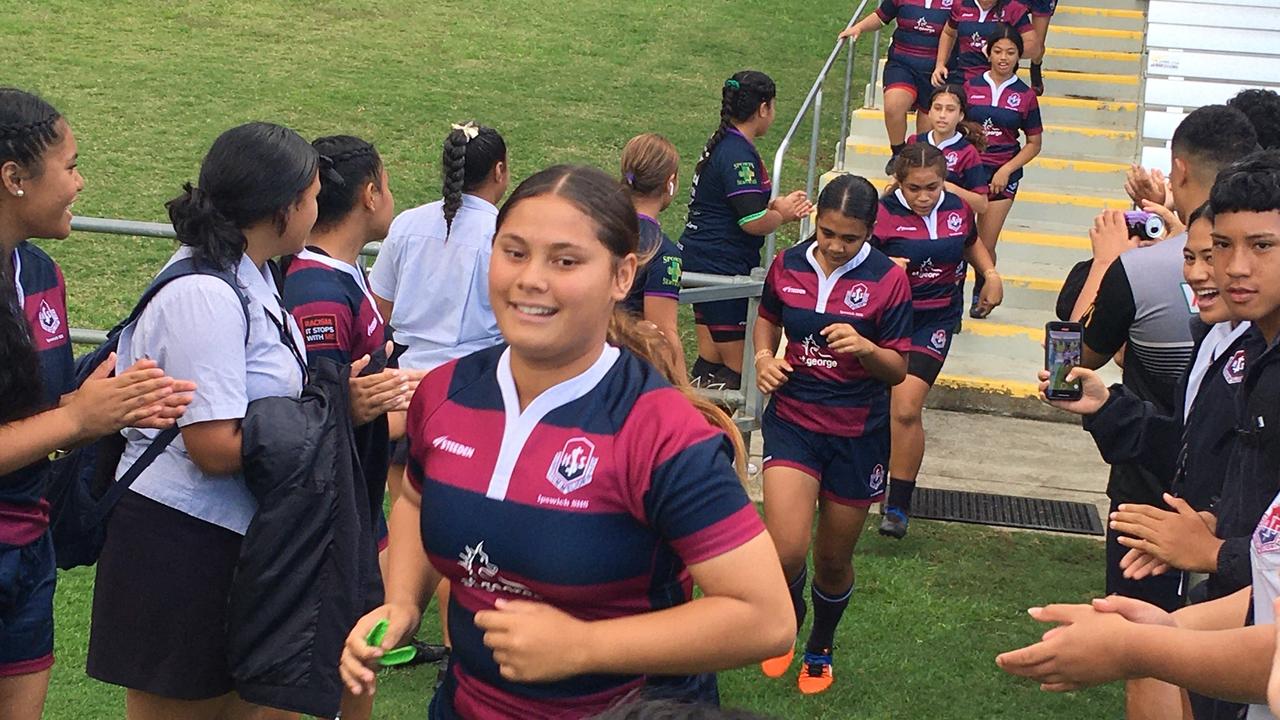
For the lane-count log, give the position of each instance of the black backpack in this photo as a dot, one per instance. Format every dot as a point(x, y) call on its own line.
point(82, 486)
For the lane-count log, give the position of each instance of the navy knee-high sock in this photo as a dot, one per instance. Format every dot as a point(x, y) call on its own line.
point(827, 611)
point(796, 588)
point(900, 492)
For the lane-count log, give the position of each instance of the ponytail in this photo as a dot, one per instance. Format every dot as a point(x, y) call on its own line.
point(972, 132)
point(252, 173)
point(740, 98)
point(470, 153)
point(919, 155)
point(646, 341)
point(214, 240)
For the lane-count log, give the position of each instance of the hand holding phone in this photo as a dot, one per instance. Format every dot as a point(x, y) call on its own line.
point(1063, 350)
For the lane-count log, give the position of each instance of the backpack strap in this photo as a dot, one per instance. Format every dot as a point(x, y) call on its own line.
point(117, 489)
point(182, 268)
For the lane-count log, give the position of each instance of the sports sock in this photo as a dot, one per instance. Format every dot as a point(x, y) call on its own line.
point(704, 368)
point(796, 588)
point(827, 611)
point(895, 149)
point(900, 492)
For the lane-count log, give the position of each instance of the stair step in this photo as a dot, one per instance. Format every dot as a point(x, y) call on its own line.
point(1057, 108)
point(1097, 17)
point(1092, 61)
point(1094, 85)
point(1093, 38)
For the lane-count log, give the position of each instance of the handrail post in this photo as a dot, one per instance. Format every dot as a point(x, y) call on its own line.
point(872, 79)
point(812, 176)
point(845, 109)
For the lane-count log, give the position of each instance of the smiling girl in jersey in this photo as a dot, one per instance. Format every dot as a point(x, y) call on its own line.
point(1003, 106)
point(730, 213)
point(908, 72)
point(650, 173)
point(846, 310)
point(966, 40)
point(932, 234)
point(961, 142)
point(574, 535)
point(43, 411)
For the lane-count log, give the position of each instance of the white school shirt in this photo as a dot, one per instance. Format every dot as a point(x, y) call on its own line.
point(1219, 338)
point(1264, 555)
point(439, 288)
point(194, 328)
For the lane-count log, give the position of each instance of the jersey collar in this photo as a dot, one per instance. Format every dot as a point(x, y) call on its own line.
point(827, 283)
point(319, 256)
point(945, 143)
point(520, 425)
point(930, 220)
point(996, 90)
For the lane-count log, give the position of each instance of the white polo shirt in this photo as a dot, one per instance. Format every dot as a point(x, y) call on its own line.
point(439, 288)
point(194, 328)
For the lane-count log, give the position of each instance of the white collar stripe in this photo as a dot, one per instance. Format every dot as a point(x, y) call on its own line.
point(351, 270)
point(518, 426)
point(828, 283)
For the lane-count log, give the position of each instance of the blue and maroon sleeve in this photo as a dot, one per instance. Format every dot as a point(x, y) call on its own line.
point(887, 11)
point(325, 319)
point(1023, 23)
point(898, 318)
point(689, 494)
point(770, 300)
point(973, 174)
point(428, 399)
point(953, 22)
point(1031, 123)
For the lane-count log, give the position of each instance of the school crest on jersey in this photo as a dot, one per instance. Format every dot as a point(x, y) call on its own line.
point(954, 222)
point(1014, 101)
point(48, 318)
point(857, 297)
point(952, 158)
point(876, 481)
point(1266, 539)
point(939, 340)
point(572, 467)
point(946, 4)
point(746, 173)
point(1233, 371)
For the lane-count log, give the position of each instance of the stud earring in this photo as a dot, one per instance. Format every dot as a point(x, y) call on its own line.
point(20, 193)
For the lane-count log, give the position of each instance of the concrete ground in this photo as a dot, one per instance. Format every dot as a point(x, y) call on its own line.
point(1003, 455)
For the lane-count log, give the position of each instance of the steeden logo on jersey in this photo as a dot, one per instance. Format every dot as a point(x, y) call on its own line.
point(453, 447)
point(572, 467)
point(484, 574)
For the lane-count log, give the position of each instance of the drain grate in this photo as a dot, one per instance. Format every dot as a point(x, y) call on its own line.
point(1006, 510)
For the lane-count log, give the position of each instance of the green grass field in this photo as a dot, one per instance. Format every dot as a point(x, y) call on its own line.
point(148, 85)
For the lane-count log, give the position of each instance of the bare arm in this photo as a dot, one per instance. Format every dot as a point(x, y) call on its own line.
point(976, 201)
point(946, 43)
point(661, 311)
point(866, 24)
point(1035, 143)
point(215, 446)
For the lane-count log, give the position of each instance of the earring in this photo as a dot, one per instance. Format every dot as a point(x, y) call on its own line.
point(20, 192)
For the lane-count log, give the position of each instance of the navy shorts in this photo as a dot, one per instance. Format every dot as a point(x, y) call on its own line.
point(27, 578)
point(726, 320)
point(931, 341)
point(1011, 190)
point(1043, 8)
point(917, 78)
point(850, 470)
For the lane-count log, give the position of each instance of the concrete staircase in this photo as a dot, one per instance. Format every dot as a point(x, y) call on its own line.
point(1090, 111)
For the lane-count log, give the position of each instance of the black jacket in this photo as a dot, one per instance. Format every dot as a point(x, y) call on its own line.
point(308, 566)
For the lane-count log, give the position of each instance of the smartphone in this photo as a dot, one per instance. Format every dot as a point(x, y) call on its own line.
point(1063, 345)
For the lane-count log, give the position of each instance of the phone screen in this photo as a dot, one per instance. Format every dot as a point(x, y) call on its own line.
point(1063, 354)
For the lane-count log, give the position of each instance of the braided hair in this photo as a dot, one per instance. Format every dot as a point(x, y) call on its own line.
point(740, 98)
point(470, 153)
point(916, 156)
point(852, 196)
point(28, 126)
point(347, 165)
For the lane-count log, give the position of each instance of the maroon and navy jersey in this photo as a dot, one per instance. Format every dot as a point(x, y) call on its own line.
point(831, 392)
point(1003, 111)
point(594, 499)
point(964, 162)
point(973, 24)
point(42, 295)
point(332, 304)
point(933, 245)
point(919, 25)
